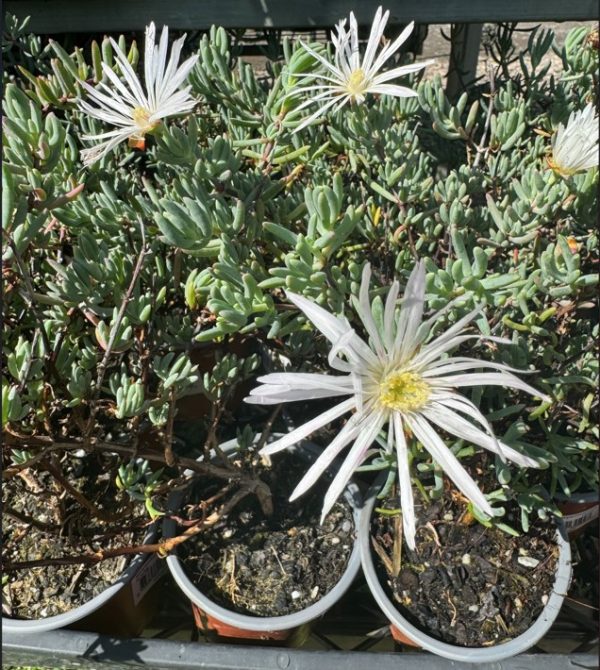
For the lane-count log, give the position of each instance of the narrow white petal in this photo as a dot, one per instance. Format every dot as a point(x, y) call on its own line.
point(455, 329)
point(393, 90)
point(488, 378)
point(406, 495)
point(130, 75)
point(440, 346)
point(308, 380)
point(447, 461)
point(411, 312)
point(335, 71)
point(320, 112)
point(341, 440)
point(457, 363)
point(273, 395)
point(148, 63)
point(334, 329)
point(160, 61)
point(123, 133)
point(456, 425)
point(309, 427)
point(389, 316)
point(370, 430)
point(95, 153)
point(462, 404)
point(128, 97)
point(328, 92)
point(173, 81)
point(363, 309)
point(391, 49)
point(112, 103)
point(375, 36)
point(354, 52)
point(399, 72)
point(331, 326)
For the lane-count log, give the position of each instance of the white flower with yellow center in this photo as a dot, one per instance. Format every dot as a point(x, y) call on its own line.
point(127, 106)
point(575, 147)
point(350, 79)
point(399, 379)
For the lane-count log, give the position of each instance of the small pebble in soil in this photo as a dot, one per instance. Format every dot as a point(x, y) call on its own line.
point(528, 561)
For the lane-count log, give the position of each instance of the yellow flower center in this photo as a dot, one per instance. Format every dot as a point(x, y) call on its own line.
point(404, 391)
point(141, 118)
point(357, 82)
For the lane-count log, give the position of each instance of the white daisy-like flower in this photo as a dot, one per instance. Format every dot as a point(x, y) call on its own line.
point(399, 379)
point(575, 147)
point(350, 79)
point(127, 106)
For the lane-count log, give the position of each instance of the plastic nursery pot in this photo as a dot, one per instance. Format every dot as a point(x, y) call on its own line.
point(406, 632)
point(124, 608)
point(227, 623)
point(579, 510)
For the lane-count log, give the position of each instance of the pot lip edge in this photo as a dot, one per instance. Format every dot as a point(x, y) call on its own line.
point(498, 652)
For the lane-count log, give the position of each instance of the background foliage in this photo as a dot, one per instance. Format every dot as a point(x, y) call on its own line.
point(227, 208)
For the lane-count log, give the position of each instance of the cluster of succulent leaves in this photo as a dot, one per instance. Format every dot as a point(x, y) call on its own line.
point(227, 208)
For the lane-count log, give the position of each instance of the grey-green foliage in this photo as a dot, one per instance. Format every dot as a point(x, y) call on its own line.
point(236, 209)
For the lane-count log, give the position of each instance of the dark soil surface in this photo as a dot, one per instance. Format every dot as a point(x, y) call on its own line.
point(62, 529)
point(277, 565)
point(466, 584)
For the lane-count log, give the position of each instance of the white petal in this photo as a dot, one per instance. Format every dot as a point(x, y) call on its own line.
point(406, 494)
point(489, 378)
point(335, 71)
point(334, 328)
point(309, 427)
point(342, 439)
point(308, 380)
point(173, 81)
point(447, 461)
point(457, 363)
point(363, 309)
point(321, 111)
point(370, 430)
point(439, 346)
point(95, 153)
point(411, 312)
point(393, 90)
point(130, 76)
point(273, 395)
point(456, 425)
point(391, 48)
point(148, 63)
point(379, 23)
point(389, 316)
point(401, 71)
